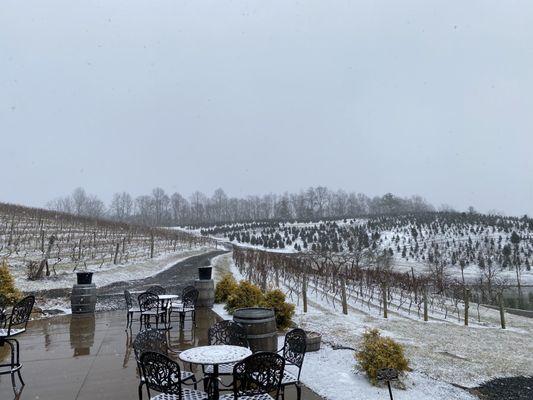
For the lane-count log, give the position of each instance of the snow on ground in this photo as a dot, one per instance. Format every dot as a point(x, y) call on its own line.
point(108, 273)
point(442, 353)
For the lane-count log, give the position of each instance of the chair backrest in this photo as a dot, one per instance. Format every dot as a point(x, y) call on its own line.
point(227, 332)
point(129, 300)
point(156, 289)
point(189, 298)
point(161, 373)
point(149, 340)
point(187, 289)
point(148, 301)
point(260, 373)
point(20, 314)
point(295, 347)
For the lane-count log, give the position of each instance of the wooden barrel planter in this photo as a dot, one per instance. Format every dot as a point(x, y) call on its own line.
point(206, 292)
point(83, 299)
point(260, 325)
point(313, 341)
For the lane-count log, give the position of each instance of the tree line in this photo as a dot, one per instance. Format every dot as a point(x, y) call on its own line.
point(161, 209)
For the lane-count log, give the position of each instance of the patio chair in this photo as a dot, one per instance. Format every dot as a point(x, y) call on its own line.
point(156, 289)
point(131, 310)
point(15, 324)
point(293, 352)
point(186, 305)
point(163, 375)
point(256, 376)
point(155, 341)
point(225, 332)
point(149, 306)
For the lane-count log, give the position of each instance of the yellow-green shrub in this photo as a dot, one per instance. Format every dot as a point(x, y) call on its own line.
point(225, 288)
point(284, 311)
point(380, 352)
point(245, 295)
point(7, 284)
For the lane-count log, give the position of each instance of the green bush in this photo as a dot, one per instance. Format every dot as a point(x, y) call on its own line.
point(380, 352)
point(7, 284)
point(225, 288)
point(245, 295)
point(284, 311)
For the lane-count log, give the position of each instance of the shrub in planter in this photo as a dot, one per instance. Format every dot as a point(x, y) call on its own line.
point(225, 288)
point(245, 295)
point(284, 311)
point(7, 284)
point(380, 352)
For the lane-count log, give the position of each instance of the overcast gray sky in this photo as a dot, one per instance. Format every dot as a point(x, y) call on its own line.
point(411, 97)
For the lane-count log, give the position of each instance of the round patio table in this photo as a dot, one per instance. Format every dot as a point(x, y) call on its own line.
point(165, 301)
point(215, 355)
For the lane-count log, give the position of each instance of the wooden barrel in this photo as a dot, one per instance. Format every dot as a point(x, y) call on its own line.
point(83, 299)
point(206, 292)
point(260, 325)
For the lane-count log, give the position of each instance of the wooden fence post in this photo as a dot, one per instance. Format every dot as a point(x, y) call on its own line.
point(384, 296)
point(467, 305)
point(502, 310)
point(344, 299)
point(152, 245)
point(425, 299)
point(117, 247)
point(304, 292)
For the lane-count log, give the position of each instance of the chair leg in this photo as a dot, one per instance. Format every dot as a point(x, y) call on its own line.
point(298, 391)
point(140, 391)
point(18, 361)
point(12, 366)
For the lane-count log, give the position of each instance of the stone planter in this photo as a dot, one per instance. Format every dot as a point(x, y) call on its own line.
point(314, 339)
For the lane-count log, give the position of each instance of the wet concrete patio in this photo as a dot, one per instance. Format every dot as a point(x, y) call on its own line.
point(81, 358)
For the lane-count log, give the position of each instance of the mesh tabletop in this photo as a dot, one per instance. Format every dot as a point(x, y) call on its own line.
point(217, 354)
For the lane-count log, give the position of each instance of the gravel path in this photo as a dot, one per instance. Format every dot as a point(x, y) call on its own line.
point(111, 297)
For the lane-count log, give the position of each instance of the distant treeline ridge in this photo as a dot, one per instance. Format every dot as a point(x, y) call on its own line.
point(162, 209)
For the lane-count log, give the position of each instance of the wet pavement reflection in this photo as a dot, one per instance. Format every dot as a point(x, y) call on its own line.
point(87, 357)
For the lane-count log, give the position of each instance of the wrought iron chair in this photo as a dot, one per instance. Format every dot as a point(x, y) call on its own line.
point(14, 324)
point(130, 307)
point(149, 306)
point(163, 375)
point(157, 290)
point(155, 341)
point(256, 376)
point(186, 305)
point(293, 352)
point(225, 332)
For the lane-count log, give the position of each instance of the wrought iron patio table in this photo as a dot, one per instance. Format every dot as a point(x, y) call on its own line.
point(165, 304)
point(215, 355)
